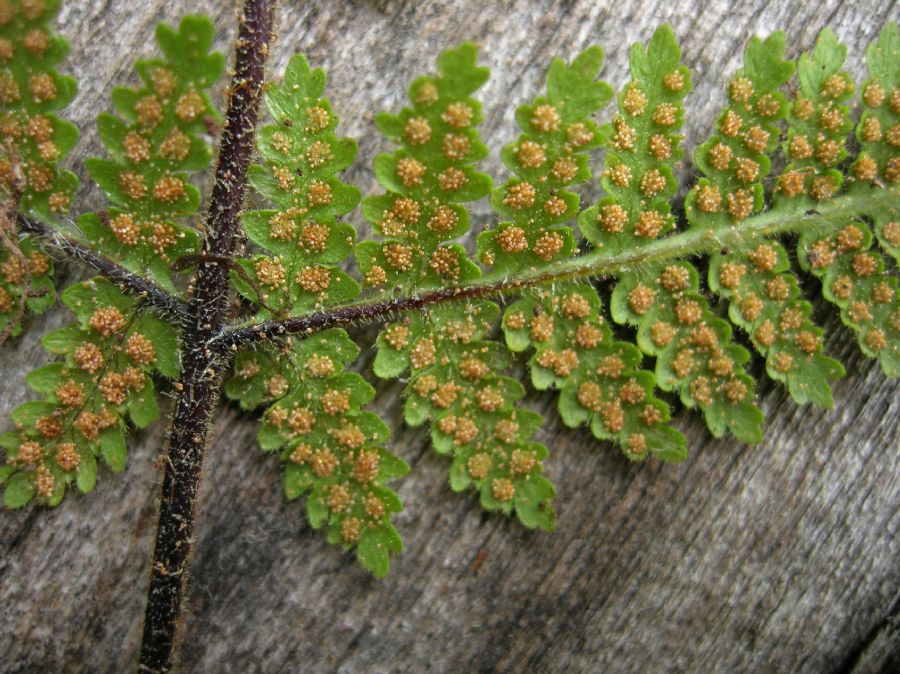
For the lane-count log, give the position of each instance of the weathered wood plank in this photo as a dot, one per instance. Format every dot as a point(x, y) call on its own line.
point(780, 557)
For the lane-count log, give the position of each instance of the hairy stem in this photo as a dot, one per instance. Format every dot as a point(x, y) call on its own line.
point(594, 265)
point(199, 386)
point(148, 292)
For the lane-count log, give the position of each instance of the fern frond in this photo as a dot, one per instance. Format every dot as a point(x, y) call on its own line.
point(841, 255)
point(763, 294)
point(330, 446)
point(302, 238)
point(161, 135)
point(33, 141)
point(695, 355)
point(26, 281)
point(454, 383)
point(637, 171)
point(115, 346)
point(109, 355)
point(549, 157)
point(599, 378)
point(428, 179)
point(878, 131)
point(295, 293)
point(455, 378)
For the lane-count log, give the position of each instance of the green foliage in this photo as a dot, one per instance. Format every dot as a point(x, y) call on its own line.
point(114, 347)
point(637, 172)
point(158, 139)
point(428, 179)
point(693, 349)
point(852, 272)
point(763, 294)
point(844, 210)
point(26, 281)
point(454, 383)
point(108, 357)
point(33, 141)
point(302, 237)
point(455, 378)
point(600, 380)
point(330, 447)
point(550, 156)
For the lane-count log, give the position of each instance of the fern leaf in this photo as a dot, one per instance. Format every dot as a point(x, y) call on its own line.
point(109, 355)
point(841, 255)
point(33, 141)
point(454, 383)
point(599, 378)
point(31, 91)
point(428, 180)
point(115, 346)
point(548, 157)
point(455, 379)
point(331, 447)
point(26, 281)
point(763, 294)
point(637, 173)
point(878, 131)
point(693, 349)
point(160, 135)
point(302, 238)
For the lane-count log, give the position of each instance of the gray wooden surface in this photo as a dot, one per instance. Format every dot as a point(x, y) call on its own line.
point(781, 557)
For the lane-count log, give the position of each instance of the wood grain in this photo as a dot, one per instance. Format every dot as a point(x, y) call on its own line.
point(782, 557)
